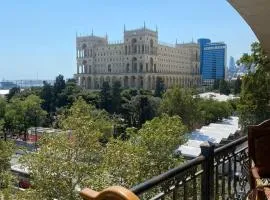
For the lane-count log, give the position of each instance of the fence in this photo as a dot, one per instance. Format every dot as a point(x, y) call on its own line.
point(220, 173)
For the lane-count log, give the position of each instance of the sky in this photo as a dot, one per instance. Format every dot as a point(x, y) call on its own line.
point(37, 38)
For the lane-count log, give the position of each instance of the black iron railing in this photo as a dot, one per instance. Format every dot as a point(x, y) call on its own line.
point(220, 173)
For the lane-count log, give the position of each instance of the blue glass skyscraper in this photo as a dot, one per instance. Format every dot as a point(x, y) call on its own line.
point(213, 60)
point(202, 42)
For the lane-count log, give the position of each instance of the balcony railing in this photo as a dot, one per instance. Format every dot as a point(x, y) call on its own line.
point(220, 173)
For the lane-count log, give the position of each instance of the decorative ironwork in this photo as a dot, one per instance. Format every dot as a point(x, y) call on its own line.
point(216, 174)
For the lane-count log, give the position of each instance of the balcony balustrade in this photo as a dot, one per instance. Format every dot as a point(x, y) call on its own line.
point(220, 173)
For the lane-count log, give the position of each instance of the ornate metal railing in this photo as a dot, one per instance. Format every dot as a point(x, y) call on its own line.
point(231, 170)
point(220, 173)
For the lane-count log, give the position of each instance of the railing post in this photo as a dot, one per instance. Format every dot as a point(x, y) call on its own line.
point(207, 182)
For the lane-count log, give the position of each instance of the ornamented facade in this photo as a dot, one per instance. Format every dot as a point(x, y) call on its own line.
point(136, 62)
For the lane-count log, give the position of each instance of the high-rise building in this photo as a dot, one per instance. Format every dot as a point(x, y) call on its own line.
point(202, 42)
point(232, 66)
point(213, 60)
point(136, 62)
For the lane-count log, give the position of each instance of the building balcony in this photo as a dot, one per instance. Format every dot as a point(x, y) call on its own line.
point(220, 173)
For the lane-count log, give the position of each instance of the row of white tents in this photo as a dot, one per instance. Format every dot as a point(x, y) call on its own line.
point(3, 93)
point(214, 133)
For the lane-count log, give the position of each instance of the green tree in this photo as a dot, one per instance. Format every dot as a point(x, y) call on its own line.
point(224, 87)
point(180, 101)
point(160, 87)
point(14, 117)
point(27, 92)
point(34, 115)
point(253, 107)
point(237, 85)
point(78, 159)
point(59, 84)
point(116, 97)
point(47, 96)
point(143, 108)
point(216, 84)
point(122, 164)
point(106, 97)
point(75, 155)
point(212, 111)
point(12, 92)
point(58, 87)
point(22, 114)
point(6, 151)
point(146, 154)
point(2, 116)
point(69, 93)
point(161, 137)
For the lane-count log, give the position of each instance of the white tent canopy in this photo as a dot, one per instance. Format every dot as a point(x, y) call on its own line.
point(3, 93)
point(217, 96)
point(214, 132)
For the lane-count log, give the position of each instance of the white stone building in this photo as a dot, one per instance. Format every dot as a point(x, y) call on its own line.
point(136, 62)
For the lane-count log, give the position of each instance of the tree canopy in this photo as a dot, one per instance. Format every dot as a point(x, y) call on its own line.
point(180, 101)
point(253, 107)
point(78, 159)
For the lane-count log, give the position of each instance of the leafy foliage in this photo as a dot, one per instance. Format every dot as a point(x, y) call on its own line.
point(160, 87)
point(253, 107)
point(22, 114)
point(116, 97)
point(237, 85)
point(179, 101)
point(78, 159)
point(3, 104)
point(106, 97)
point(143, 108)
point(212, 111)
point(12, 92)
point(85, 154)
point(147, 153)
point(224, 87)
point(6, 151)
point(74, 155)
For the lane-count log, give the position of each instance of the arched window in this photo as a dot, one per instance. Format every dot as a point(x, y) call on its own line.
point(84, 51)
point(134, 65)
point(151, 43)
point(89, 69)
point(133, 45)
point(141, 67)
point(109, 68)
point(127, 68)
point(151, 64)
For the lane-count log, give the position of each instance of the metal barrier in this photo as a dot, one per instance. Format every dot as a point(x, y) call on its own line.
point(220, 173)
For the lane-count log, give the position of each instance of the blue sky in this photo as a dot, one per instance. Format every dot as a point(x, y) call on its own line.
point(37, 38)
